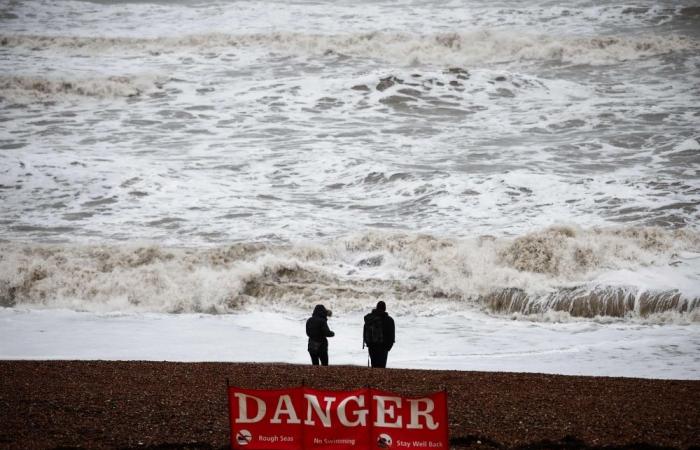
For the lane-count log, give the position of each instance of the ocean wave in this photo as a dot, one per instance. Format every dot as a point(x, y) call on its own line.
point(481, 46)
point(560, 269)
point(28, 87)
point(594, 301)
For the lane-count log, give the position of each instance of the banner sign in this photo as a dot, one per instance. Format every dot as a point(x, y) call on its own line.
point(304, 419)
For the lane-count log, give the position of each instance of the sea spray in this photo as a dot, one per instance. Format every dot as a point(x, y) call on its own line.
point(556, 269)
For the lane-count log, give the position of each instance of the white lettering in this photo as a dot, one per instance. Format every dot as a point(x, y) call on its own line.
point(384, 411)
point(243, 408)
point(416, 412)
point(352, 411)
point(315, 406)
point(339, 441)
point(286, 407)
point(361, 414)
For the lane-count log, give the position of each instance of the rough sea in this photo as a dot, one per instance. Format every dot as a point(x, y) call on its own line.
point(518, 180)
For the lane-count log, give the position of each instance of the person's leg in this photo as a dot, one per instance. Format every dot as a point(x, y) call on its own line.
point(373, 357)
point(314, 358)
point(381, 358)
point(323, 356)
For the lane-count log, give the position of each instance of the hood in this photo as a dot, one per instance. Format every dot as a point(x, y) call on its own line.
point(320, 311)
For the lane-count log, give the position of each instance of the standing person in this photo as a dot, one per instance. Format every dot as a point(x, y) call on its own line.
point(378, 334)
point(318, 332)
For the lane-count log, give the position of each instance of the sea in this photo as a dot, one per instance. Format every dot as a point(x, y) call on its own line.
point(519, 181)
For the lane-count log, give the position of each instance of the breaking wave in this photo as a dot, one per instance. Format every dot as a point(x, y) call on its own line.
point(596, 301)
point(21, 87)
point(483, 46)
point(582, 273)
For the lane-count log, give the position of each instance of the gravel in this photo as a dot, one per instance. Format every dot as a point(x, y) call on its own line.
point(167, 405)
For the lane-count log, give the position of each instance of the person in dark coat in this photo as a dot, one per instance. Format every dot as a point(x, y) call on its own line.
point(378, 334)
point(318, 332)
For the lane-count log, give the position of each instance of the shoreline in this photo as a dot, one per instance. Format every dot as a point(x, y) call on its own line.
point(173, 405)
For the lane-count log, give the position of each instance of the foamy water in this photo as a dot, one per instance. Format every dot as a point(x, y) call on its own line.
point(636, 274)
point(462, 341)
point(509, 164)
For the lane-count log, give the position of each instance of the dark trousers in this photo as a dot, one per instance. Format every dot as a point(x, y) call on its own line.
point(321, 355)
point(378, 356)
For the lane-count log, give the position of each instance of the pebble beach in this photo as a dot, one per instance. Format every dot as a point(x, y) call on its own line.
point(166, 405)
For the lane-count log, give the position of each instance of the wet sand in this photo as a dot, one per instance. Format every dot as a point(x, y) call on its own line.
point(165, 405)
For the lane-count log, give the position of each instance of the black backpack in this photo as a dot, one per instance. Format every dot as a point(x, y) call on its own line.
point(373, 332)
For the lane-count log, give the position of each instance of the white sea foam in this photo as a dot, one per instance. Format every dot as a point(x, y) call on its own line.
point(460, 48)
point(688, 144)
point(258, 159)
point(19, 88)
point(560, 269)
point(462, 341)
